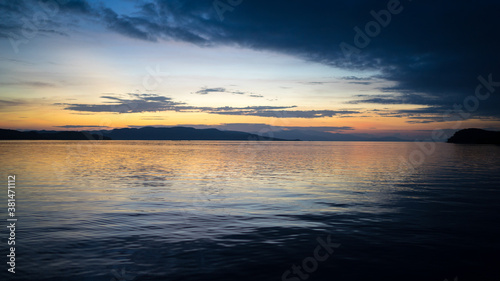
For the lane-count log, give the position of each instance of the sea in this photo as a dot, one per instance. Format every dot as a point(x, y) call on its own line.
point(249, 210)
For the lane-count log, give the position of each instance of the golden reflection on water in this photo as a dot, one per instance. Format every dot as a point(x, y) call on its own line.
point(90, 205)
point(190, 174)
point(236, 177)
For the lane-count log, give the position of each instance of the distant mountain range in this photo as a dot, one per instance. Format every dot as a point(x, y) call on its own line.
point(313, 135)
point(182, 133)
point(145, 133)
point(48, 135)
point(475, 136)
point(188, 133)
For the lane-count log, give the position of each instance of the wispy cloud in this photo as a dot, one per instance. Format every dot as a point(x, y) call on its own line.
point(361, 83)
point(417, 99)
point(422, 115)
point(315, 82)
point(285, 113)
point(35, 84)
point(402, 56)
point(80, 126)
point(206, 91)
point(133, 103)
point(153, 118)
point(262, 127)
point(139, 103)
point(356, 78)
point(9, 102)
point(13, 102)
point(359, 80)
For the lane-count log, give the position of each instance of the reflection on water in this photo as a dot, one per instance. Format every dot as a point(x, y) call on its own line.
point(194, 210)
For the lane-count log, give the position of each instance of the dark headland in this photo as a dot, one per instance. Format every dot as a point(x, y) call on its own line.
point(475, 136)
point(49, 135)
point(183, 133)
point(145, 133)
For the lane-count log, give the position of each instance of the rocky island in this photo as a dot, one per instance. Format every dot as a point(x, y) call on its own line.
point(475, 136)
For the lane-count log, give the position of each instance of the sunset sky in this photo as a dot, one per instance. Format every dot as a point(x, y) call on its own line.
point(88, 65)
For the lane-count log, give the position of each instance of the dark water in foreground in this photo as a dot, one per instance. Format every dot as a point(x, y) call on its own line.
point(168, 210)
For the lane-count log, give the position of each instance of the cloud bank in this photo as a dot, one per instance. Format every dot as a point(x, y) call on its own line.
point(139, 103)
point(432, 51)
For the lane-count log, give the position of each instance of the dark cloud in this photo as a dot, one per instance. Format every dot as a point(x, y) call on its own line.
point(405, 98)
point(74, 6)
point(430, 114)
point(436, 48)
point(286, 113)
point(206, 91)
point(261, 127)
point(12, 6)
point(359, 80)
point(137, 103)
point(130, 26)
point(12, 12)
point(315, 83)
point(421, 121)
point(355, 78)
point(133, 103)
point(432, 48)
point(22, 20)
point(360, 83)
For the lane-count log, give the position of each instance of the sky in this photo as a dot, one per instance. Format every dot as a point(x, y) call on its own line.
point(384, 68)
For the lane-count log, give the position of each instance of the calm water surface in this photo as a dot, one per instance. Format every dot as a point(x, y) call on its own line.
point(193, 210)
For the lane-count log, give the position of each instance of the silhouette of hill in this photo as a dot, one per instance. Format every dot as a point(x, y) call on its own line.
point(182, 133)
point(475, 136)
point(41, 135)
point(145, 133)
point(312, 135)
point(186, 133)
